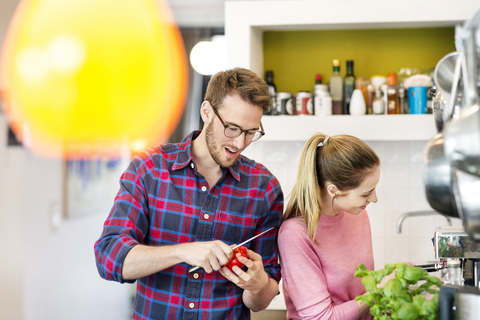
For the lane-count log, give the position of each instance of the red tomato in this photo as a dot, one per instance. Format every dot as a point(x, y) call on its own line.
point(234, 261)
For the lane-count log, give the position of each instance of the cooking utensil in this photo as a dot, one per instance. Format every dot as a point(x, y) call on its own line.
point(437, 178)
point(444, 71)
point(193, 269)
point(432, 267)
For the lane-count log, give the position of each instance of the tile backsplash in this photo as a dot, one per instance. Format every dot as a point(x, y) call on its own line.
point(400, 190)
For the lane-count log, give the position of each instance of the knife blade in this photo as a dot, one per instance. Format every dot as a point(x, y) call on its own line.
point(193, 269)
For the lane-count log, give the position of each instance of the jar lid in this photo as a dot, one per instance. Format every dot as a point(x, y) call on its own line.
point(453, 264)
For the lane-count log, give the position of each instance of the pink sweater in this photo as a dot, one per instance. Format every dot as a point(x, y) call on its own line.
point(318, 280)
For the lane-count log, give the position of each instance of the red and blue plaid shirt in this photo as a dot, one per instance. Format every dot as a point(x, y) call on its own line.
point(163, 200)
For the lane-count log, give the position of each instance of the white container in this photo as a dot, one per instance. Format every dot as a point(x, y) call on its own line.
point(357, 103)
point(322, 100)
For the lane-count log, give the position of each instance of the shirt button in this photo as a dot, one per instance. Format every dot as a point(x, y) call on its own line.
point(195, 275)
point(191, 305)
point(204, 188)
point(192, 165)
point(206, 216)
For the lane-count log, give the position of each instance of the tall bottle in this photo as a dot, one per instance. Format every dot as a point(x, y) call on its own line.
point(273, 91)
point(393, 103)
point(348, 87)
point(402, 98)
point(336, 88)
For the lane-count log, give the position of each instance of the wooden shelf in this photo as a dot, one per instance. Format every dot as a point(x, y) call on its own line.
point(368, 127)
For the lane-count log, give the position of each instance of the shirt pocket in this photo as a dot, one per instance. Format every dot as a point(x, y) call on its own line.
point(234, 229)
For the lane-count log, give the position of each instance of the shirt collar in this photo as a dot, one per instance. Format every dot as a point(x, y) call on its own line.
point(185, 156)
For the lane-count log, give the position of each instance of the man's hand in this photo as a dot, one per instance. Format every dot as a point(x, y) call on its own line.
point(209, 255)
point(254, 279)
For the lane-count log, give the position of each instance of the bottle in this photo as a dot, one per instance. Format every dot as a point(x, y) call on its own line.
point(393, 104)
point(336, 88)
point(348, 87)
point(273, 92)
point(370, 97)
point(322, 100)
point(378, 105)
point(318, 83)
point(402, 99)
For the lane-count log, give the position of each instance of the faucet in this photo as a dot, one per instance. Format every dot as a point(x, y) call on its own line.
point(418, 213)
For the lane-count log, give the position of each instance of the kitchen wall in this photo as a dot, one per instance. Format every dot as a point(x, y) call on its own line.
point(400, 190)
point(48, 273)
point(296, 56)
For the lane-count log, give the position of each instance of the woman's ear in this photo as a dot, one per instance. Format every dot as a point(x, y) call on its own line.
point(206, 112)
point(331, 190)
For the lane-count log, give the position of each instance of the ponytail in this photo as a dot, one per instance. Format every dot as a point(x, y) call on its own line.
point(342, 160)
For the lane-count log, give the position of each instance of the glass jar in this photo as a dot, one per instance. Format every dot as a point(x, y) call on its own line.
point(454, 273)
point(378, 105)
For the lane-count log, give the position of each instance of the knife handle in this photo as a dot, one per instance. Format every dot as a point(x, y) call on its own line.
point(432, 267)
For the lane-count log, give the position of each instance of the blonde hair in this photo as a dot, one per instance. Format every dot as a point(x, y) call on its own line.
point(342, 160)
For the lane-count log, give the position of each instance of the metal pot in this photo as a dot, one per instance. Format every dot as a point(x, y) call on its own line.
point(466, 188)
point(443, 74)
point(462, 140)
point(437, 178)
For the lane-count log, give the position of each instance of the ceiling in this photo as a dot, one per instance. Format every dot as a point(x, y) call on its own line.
point(198, 13)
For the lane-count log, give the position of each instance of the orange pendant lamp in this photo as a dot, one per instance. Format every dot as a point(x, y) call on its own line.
point(89, 78)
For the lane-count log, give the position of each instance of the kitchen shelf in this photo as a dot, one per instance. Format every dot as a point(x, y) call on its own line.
point(402, 127)
point(246, 21)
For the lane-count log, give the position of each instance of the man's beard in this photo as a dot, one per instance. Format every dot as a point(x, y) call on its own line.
point(212, 146)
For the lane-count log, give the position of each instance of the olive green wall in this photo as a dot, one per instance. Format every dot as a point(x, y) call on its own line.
point(296, 56)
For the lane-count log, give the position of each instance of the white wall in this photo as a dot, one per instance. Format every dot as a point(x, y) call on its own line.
point(47, 274)
point(400, 190)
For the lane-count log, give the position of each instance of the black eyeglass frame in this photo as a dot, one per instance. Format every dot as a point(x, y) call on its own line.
point(261, 131)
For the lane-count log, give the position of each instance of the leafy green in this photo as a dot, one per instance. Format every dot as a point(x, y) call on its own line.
point(403, 296)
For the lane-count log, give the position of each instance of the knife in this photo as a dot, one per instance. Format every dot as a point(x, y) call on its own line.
point(433, 267)
point(193, 269)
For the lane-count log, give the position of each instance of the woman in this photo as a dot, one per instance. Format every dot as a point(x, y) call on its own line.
point(326, 230)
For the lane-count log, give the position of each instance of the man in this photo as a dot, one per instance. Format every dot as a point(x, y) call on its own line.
point(187, 204)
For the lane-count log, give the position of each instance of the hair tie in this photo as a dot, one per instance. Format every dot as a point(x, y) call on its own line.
point(324, 142)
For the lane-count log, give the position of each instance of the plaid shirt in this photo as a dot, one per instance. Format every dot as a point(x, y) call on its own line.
point(163, 200)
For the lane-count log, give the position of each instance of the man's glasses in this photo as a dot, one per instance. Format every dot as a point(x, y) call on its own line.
point(233, 131)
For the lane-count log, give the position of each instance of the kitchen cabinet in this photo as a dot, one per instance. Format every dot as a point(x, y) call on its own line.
point(402, 127)
point(246, 21)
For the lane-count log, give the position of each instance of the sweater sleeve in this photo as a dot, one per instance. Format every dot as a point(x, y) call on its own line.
point(304, 283)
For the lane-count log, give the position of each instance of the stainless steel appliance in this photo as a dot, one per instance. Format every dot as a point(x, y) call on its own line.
point(452, 176)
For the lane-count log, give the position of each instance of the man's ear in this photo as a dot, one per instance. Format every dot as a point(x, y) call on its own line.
point(206, 112)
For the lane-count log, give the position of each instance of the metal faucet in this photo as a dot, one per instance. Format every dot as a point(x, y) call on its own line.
point(403, 216)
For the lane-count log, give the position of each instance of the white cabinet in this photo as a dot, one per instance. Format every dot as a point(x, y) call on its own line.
point(245, 22)
point(402, 127)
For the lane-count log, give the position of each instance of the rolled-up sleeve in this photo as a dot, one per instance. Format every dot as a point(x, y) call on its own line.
point(125, 227)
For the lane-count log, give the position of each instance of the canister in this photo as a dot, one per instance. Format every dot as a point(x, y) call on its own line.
point(285, 104)
point(417, 100)
point(304, 103)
